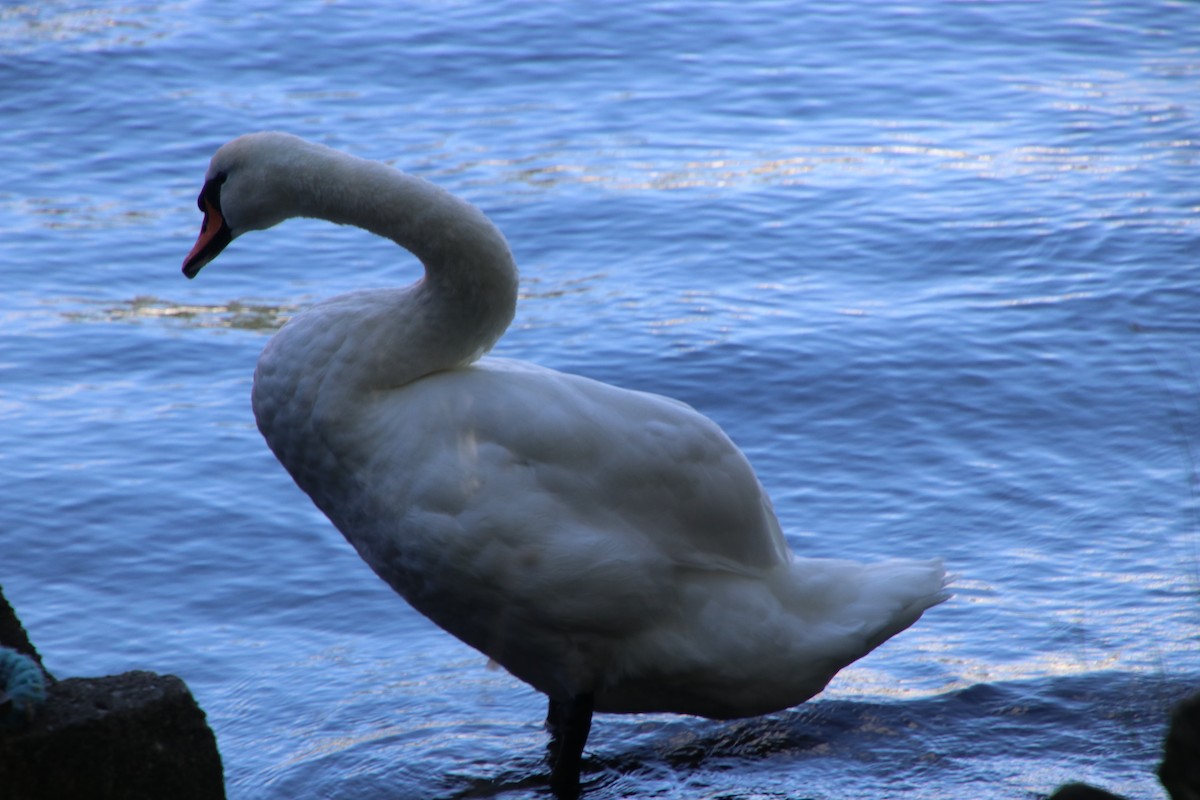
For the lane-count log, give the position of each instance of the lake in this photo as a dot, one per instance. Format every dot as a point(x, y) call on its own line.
point(932, 265)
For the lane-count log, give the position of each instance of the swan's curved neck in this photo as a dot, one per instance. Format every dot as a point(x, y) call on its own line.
point(465, 256)
point(460, 247)
point(452, 316)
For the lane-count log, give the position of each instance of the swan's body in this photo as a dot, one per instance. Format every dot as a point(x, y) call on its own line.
point(598, 543)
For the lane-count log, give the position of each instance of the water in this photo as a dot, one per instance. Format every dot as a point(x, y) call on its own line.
point(932, 265)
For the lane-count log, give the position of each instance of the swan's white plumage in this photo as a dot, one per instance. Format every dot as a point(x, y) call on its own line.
point(588, 538)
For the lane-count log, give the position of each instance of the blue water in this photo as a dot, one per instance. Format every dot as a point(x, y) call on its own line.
point(933, 265)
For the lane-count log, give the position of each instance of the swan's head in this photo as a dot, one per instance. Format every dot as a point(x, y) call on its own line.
point(249, 186)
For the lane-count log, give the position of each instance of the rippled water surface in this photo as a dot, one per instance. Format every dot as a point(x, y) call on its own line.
point(933, 265)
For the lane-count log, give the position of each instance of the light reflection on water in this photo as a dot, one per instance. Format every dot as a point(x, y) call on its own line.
point(234, 314)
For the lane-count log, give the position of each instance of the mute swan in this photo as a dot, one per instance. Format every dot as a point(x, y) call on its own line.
point(611, 548)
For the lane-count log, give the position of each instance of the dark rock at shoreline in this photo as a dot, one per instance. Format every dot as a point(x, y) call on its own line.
point(135, 735)
point(1082, 791)
point(1180, 768)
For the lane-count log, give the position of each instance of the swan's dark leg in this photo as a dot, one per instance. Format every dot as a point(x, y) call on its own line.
point(554, 713)
point(569, 723)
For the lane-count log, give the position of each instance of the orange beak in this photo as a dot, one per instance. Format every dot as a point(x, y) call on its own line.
point(214, 231)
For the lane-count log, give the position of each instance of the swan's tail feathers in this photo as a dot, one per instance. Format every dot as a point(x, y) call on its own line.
point(847, 609)
point(905, 591)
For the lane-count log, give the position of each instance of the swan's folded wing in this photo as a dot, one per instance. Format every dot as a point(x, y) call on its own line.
point(650, 470)
point(546, 485)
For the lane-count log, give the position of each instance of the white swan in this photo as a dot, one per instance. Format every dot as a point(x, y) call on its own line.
point(611, 548)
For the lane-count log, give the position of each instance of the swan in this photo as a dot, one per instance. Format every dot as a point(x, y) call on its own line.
point(611, 548)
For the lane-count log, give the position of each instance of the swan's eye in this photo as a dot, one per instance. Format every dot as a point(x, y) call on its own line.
point(211, 192)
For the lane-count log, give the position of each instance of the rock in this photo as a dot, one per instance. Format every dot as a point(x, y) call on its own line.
point(1082, 791)
point(135, 736)
point(1180, 768)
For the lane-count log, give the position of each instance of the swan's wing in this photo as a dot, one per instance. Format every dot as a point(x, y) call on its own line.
point(542, 449)
point(528, 483)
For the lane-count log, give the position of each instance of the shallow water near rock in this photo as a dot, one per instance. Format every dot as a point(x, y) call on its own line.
point(932, 265)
